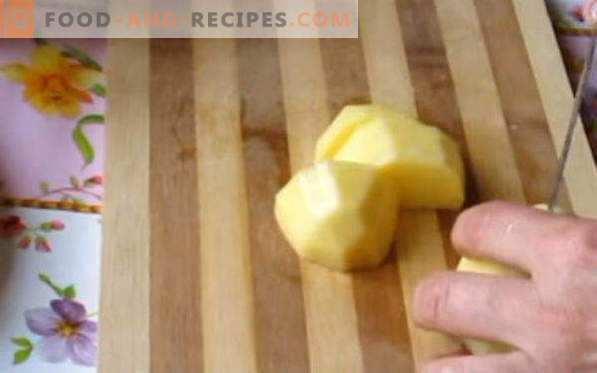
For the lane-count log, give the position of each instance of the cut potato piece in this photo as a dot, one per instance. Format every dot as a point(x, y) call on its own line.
point(488, 267)
point(424, 162)
point(340, 130)
point(339, 214)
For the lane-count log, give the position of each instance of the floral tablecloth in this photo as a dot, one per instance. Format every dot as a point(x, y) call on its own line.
point(51, 185)
point(51, 152)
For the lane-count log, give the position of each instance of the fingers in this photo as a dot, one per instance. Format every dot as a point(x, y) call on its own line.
point(466, 304)
point(509, 233)
point(514, 362)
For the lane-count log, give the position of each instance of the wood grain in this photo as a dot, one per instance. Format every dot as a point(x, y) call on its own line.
point(434, 92)
point(124, 306)
point(430, 258)
point(332, 330)
point(478, 99)
point(175, 319)
point(421, 253)
point(378, 296)
point(526, 123)
point(557, 98)
point(281, 336)
point(383, 47)
point(227, 291)
point(196, 276)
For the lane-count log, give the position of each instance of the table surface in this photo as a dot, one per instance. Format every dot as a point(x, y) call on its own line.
point(196, 276)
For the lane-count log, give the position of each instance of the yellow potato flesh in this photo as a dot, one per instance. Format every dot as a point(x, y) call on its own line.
point(338, 214)
point(487, 267)
point(341, 128)
point(425, 163)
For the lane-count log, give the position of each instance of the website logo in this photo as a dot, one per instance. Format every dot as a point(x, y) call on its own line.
point(16, 18)
point(179, 19)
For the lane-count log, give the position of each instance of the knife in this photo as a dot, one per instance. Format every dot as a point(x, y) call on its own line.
point(578, 97)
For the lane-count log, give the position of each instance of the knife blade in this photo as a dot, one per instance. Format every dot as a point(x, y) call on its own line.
point(565, 152)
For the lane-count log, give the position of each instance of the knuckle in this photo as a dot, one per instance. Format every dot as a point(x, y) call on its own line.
point(432, 299)
point(443, 367)
point(473, 224)
point(587, 237)
point(578, 245)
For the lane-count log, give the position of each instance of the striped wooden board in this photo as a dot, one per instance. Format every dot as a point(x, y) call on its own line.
point(202, 133)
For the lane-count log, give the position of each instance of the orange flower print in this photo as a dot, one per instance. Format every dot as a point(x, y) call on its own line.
point(54, 84)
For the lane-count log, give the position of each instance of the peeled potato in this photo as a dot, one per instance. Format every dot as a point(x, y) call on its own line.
point(341, 129)
point(476, 346)
point(341, 215)
point(424, 162)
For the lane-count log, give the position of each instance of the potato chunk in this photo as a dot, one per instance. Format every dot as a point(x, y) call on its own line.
point(339, 214)
point(424, 162)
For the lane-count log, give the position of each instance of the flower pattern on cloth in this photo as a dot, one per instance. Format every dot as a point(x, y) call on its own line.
point(65, 329)
point(53, 83)
point(45, 321)
point(14, 227)
point(52, 96)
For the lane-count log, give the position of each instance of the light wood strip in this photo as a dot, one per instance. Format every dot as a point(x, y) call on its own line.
point(556, 96)
point(421, 253)
point(385, 57)
point(305, 98)
point(491, 152)
point(414, 261)
point(345, 73)
point(281, 334)
point(332, 330)
point(417, 260)
point(378, 296)
point(124, 342)
point(523, 110)
point(175, 319)
point(227, 291)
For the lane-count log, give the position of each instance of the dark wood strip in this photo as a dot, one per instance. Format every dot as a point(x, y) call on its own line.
point(279, 310)
point(345, 73)
point(434, 92)
point(527, 124)
point(381, 314)
point(175, 320)
point(378, 296)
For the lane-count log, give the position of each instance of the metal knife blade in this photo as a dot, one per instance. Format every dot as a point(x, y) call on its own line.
point(563, 159)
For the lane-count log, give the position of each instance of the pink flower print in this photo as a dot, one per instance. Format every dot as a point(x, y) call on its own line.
point(11, 225)
point(57, 225)
point(41, 244)
point(96, 179)
point(66, 332)
point(577, 12)
point(14, 228)
point(24, 241)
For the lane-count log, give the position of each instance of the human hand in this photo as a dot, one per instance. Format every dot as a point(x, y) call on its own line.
point(551, 318)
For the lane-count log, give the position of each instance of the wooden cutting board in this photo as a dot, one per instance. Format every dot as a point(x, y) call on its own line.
point(202, 133)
